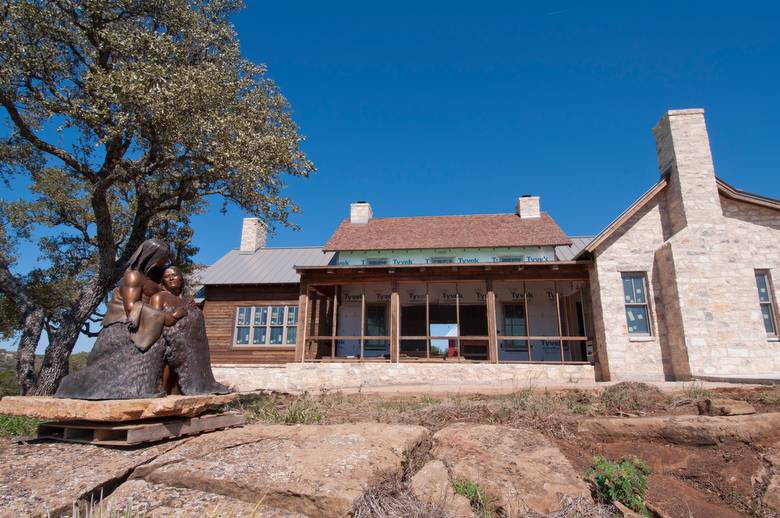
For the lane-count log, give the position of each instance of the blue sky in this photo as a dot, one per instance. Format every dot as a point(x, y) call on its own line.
point(427, 108)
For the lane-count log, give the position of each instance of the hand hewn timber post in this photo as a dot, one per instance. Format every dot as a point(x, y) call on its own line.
point(303, 314)
point(492, 329)
point(395, 331)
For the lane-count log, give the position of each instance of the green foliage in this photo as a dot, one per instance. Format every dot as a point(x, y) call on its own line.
point(12, 425)
point(156, 113)
point(475, 494)
point(8, 384)
point(625, 481)
point(77, 361)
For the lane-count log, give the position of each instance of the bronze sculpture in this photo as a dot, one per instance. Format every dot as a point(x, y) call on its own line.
point(148, 327)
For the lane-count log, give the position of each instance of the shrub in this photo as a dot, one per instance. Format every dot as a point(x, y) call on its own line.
point(475, 494)
point(625, 481)
point(12, 425)
point(696, 391)
point(8, 384)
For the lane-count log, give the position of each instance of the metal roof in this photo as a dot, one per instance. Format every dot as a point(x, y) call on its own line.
point(568, 253)
point(264, 266)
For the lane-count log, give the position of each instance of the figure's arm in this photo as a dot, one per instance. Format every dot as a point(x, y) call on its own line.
point(131, 289)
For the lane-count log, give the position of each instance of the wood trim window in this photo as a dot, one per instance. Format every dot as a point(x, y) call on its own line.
point(261, 326)
point(635, 298)
point(766, 299)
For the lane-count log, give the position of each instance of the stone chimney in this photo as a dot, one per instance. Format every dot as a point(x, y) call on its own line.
point(528, 207)
point(253, 235)
point(360, 212)
point(683, 149)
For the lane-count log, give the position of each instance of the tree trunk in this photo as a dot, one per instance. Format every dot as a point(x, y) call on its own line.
point(55, 366)
point(61, 342)
point(25, 361)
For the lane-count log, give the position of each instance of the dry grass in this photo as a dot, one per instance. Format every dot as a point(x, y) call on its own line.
point(392, 497)
point(630, 398)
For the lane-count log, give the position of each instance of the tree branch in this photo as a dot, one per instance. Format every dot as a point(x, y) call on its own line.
point(32, 138)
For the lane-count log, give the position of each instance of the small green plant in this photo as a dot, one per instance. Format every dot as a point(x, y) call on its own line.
point(301, 411)
point(12, 425)
point(624, 481)
point(475, 494)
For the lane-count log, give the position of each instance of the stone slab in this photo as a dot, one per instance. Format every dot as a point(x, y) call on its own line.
point(519, 470)
point(724, 406)
point(432, 485)
point(45, 479)
point(114, 410)
point(141, 498)
point(314, 470)
point(695, 430)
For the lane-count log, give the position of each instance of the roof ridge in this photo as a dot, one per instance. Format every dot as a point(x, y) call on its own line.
point(451, 216)
point(308, 247)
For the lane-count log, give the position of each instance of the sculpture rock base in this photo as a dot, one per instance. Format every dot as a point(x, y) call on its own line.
point(113, 410)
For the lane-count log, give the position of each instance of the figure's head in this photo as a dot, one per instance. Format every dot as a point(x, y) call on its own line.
point(173, 280)
point(152, 254)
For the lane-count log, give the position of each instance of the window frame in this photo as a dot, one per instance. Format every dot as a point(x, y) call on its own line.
point(771, 303)
point(646, 304)
point(287, 308)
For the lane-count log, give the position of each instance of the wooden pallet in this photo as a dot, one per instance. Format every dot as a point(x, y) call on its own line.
point(130, 433)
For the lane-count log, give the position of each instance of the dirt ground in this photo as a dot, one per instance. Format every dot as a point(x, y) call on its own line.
point(713, 481)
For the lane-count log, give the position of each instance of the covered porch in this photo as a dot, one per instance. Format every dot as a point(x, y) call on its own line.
point(498, 313)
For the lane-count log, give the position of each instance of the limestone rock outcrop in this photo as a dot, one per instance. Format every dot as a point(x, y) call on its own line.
point(432, 485)
point(313, 470)
point(518, 469)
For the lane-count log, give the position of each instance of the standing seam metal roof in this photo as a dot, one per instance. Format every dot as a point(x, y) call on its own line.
point(568, 253)
point(264, 266)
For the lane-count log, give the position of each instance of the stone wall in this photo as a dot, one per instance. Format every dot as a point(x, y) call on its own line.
point(630, 249)
point(699, 251)
point(296, 377)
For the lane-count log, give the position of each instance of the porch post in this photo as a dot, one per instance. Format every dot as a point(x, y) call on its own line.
point(303, 310)
point(395, 309)
point(492, 328)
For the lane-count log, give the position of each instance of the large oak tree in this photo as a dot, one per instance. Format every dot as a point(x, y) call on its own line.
point(124, 118)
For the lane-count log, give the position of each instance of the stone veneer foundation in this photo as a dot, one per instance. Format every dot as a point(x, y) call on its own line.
point(298, 377)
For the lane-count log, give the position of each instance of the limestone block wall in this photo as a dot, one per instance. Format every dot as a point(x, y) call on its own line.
point(725, 334)
point(298, 377)
point(630, 249)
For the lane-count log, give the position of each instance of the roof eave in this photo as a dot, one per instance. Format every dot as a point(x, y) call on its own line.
point(733, 193)
point(539, 264)
point(624, 216)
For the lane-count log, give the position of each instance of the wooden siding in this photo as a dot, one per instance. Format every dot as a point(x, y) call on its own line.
point(219, 310)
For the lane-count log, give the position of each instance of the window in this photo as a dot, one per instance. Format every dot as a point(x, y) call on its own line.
point(766, 300)
point(266, 325)
point(635, 298)
point(514, 325)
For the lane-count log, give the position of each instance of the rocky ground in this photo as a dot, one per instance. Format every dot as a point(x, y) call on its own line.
point(526, 453)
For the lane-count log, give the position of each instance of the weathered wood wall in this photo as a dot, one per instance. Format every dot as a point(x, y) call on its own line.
point(219, 310)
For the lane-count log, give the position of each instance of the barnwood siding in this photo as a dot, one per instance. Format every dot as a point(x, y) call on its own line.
point(219, 310)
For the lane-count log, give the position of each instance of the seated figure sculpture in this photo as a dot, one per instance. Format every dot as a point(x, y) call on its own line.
point(148, 326)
